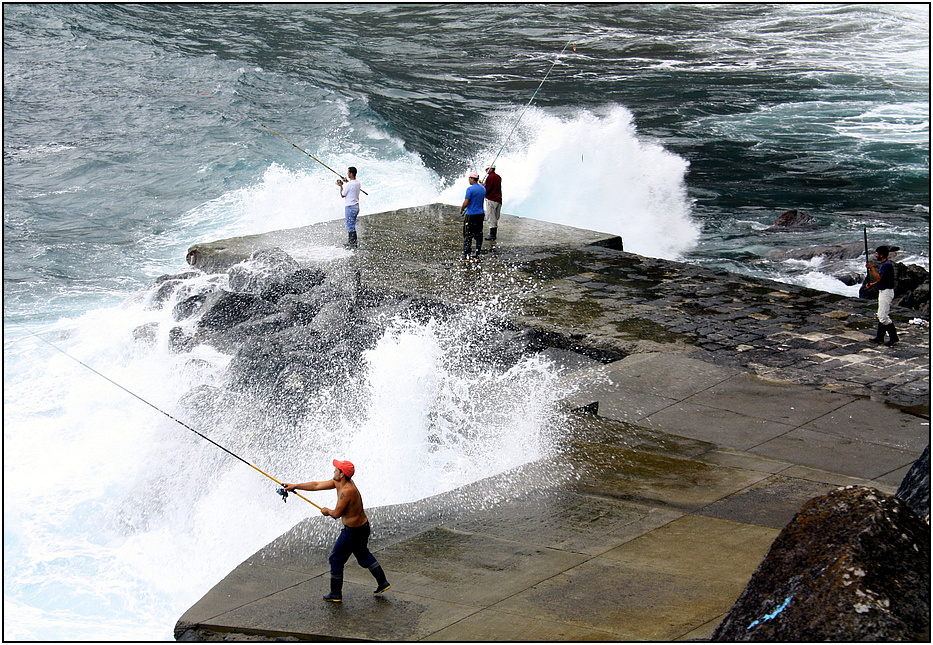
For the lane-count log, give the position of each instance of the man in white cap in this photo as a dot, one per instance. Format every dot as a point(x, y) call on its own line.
point(472, 211)
point(493, 185)
point(354, 537)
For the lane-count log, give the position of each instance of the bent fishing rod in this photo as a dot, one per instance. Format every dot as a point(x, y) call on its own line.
point(515, 125)
point(281, 491)
point(293, 144)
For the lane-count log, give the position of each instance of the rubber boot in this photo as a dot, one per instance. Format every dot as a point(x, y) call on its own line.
point(879, 335)
point(336, 587)
point(382, 584)
point(892, 335)
point(351, 240)
point(492, 234)
point(467, 243)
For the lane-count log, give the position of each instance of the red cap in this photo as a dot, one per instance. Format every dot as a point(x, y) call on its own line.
point(345, 467)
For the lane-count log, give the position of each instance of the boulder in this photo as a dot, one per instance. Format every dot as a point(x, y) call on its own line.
point(852, 565)
point(261, 271)
point(915, 487)
point(230, 309)
point(794, 218)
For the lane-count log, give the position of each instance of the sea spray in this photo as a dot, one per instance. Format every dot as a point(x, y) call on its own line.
point(592, 170)
point(126, 513)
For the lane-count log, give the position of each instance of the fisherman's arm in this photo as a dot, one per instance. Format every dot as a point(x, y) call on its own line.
point(875, 274)
point(463, 206)
point(343, 501)
point(325, 485)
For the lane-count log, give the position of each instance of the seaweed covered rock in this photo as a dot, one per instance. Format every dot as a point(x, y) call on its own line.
point(852, 565)
point(915, 487)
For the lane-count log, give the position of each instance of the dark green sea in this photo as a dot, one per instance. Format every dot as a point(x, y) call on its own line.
point(131, 131)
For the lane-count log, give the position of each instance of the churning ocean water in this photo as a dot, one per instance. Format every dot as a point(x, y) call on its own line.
point(131, 132)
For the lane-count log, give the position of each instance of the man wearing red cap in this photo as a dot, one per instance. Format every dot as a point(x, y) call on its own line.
point(354, 537)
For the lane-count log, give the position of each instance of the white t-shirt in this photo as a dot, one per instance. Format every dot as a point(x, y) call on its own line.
point(351, 192)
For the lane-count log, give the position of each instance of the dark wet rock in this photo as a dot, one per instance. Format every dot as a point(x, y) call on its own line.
point(192, 305)
point(794, 218)
point(299, 282)
point(915, 487)
point(230, 309)
point(841, 251)
point(146, 334)
point(853, 565)
point(180, 341)
point(263, 269)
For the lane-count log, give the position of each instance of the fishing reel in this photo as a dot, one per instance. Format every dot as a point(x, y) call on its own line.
point(284, 493)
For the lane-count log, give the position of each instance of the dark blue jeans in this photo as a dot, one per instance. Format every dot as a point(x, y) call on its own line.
point(351, 541)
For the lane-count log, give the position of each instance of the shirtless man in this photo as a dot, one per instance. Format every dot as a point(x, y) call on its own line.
point(354, 537)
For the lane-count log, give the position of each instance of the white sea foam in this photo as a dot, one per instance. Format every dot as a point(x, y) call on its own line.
point(592, 170)
point(105, 489)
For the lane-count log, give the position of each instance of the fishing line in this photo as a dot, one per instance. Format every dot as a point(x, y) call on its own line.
point(176, 420)
point(293, 144)
point(515, 125)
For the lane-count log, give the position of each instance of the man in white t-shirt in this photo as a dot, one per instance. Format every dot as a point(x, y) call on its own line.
point(350, 191)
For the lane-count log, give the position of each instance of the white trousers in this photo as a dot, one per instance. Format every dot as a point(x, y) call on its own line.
point(885, 296)
point(493, 210)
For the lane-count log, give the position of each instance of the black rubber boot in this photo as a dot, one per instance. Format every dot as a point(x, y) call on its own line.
point(382, 585)
point(351, 240)
point(492, 234)
point(336, 587)
point(892, 335)
point(879, 335)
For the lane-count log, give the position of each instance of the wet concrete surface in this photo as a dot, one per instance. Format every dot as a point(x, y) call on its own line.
point(729, 402)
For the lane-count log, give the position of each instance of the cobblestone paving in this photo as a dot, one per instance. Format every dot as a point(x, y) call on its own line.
point(776, 330)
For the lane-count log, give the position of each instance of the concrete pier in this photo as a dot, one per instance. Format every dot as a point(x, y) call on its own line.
point(708, 407)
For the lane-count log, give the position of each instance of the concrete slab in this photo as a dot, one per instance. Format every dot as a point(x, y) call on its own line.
point(655, 480)
point(567, 521)
point(721, 427)
point(470, 569)
point(245, 584)
point(785, 403)
point(722, 549)
point(673, 376)
point(633, 601)
point(837, 454)
point(772, 502)
point(499, 626)
point(299, 610)
point(872, 422)
point(742, 459)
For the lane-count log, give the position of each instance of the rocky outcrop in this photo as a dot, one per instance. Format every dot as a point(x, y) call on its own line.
point(794, 218)
point(915, 488)
point(852, 565)
point(295, 331)
point(841, 251)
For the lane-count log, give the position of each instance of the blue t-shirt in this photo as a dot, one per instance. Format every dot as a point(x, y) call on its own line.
point(476, 193)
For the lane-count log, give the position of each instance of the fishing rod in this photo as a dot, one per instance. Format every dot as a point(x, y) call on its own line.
point(867, 257)
point(293, 145)
point(281, 491)
point(515, 125)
